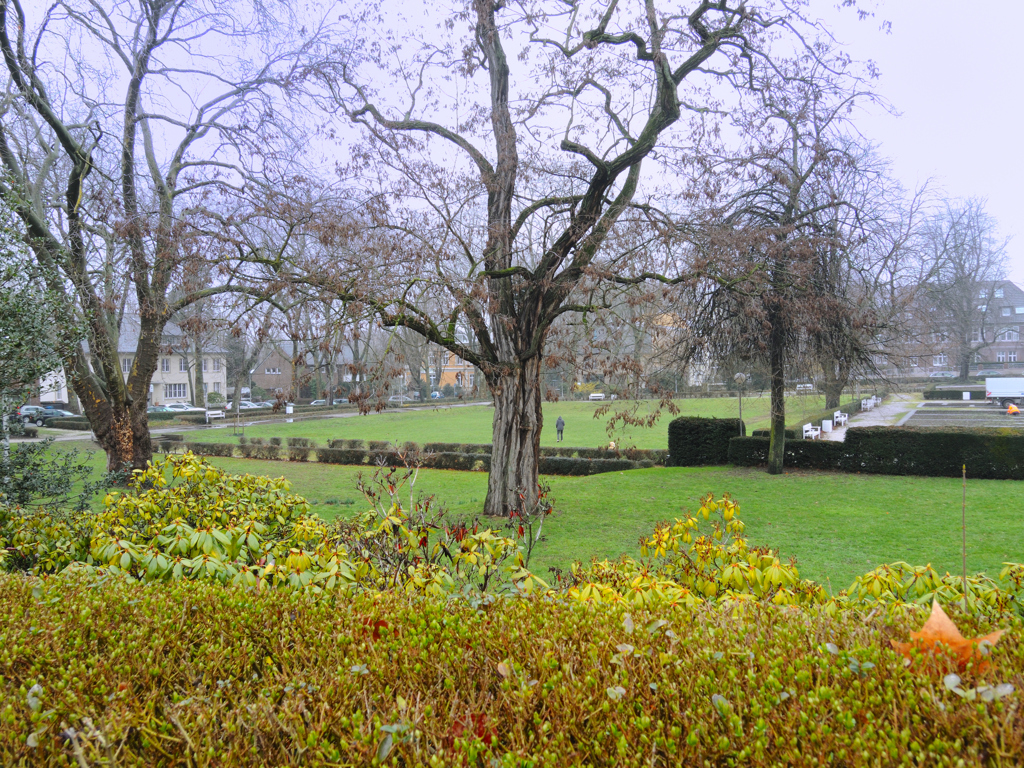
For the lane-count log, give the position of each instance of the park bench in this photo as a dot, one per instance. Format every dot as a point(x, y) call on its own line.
point(214, 415)
point(840, 419)
point(867, 405)
point(811, 432)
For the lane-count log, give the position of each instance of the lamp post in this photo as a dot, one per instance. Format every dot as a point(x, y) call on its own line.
point(740, 379)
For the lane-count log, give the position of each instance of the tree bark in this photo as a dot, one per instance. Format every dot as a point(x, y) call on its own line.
point(516, 439)
point(777, 362)
point(199, 395)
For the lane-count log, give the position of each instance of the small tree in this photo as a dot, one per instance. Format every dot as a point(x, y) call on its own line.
point(28, 348)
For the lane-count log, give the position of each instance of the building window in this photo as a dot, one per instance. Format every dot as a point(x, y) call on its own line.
point(1004, 311)
point(976, 337)
point(216, 366)
point(998, 293)
point(174, 391)
point(913, 362)
point(272, 371)
point(472, 377)
point(1009, 334)
point(939, 360)
point(206, 361)
point(1000, 357)
point(165, 365)
point(458, 379)
point(982, 307)
point(982, 293)
point(1011, 357)
point(182, 365)
point(216, 387)
point(126, 365)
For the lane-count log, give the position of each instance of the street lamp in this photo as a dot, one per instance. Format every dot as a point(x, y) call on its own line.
point(740, 379)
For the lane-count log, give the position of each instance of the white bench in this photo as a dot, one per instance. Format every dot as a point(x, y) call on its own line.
point(214, 415)
point(867, 405)
point(840, 419)
point(811, 432)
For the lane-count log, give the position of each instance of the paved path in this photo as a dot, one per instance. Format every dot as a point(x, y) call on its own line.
point(887, 414)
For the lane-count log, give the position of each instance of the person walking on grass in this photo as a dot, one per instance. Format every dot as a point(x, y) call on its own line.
point(559, 426)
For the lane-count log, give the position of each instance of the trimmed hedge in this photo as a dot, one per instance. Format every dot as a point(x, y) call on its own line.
point(996, 454)
point(791, 434)
point(298, 442)
point(695, 441)
point(993, 454)
point(71, 422)
point(254, 450)
point(354, 444)
point(954, 394)
point(299, 452)
point(161, 416)
point(465, 462)
point(800, 454)
point(224, 450)
point(563, 465)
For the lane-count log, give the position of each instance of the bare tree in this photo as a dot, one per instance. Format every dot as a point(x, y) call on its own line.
point(513, 149)
point(967, 261)
point(123, 118)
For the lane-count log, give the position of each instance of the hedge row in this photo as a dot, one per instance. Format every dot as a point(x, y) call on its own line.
point(79, 423)
point(791, 434)
point(987, 453)
point(695, 441)
point(466, 462)
point(932, 393)
point(112, 672)
point(800, 454)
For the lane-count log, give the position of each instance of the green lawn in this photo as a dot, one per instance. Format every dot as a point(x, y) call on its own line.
point(472, 424)
point(837, 526)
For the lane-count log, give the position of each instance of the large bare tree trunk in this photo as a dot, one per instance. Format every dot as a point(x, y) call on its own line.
point(516, 438)
point(777, 361)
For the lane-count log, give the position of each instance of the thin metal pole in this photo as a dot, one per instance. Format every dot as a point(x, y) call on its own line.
point(963, 529)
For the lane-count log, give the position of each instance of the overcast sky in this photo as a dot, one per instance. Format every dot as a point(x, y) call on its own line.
point(954, 71)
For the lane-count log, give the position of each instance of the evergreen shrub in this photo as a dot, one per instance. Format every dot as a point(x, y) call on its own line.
point(71, 422)
point(996, 454)
point(695, 441)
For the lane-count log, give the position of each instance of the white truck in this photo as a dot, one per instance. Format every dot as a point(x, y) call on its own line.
point(1003, 391)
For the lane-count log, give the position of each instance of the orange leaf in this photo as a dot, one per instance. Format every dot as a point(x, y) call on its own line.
point(939, 635)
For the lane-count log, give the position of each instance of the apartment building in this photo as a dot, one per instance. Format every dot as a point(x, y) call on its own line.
point(175, 377)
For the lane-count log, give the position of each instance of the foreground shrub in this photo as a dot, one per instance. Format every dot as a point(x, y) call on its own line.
point(243, 530)
point(115, 673)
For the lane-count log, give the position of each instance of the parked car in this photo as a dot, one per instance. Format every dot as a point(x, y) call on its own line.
point(159, 409)
point(184, 408)
point(437, 395)
point(319, 402)
point(941, 375)
point(597, 396)
point(27, 412)
point(245, 405)
point(400, 399)
point(992, 372)
point(43, 415)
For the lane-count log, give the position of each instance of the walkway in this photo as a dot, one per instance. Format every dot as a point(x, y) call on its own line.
point(885, 415)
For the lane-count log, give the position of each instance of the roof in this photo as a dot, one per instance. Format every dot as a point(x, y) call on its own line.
point(128, 338)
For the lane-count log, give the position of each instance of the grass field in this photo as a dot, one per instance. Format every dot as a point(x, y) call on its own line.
point(472, 424)
point(837, 526)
